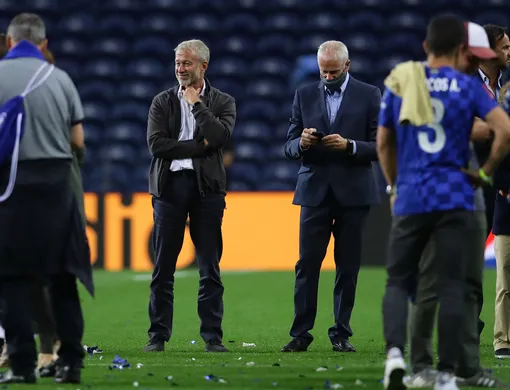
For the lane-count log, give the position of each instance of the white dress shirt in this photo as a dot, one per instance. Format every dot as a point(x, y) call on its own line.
point(186, 132)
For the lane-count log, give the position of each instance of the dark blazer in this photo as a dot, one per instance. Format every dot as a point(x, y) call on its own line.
point(350, 176)
point(215, 118)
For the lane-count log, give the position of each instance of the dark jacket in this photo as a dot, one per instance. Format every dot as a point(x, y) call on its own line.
point(350, 177)
point(215, 118)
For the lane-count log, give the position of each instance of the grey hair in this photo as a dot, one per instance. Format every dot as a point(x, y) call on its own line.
point(335, 50)
point(197, 47)
point(29, 27)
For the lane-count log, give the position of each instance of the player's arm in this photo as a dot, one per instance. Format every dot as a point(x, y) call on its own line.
point(386, 139)
point(387, 153)
point(499, 122)
point(481, 131)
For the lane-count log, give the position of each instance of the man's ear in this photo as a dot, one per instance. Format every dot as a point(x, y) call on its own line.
point(426, 47)
point(43, 46)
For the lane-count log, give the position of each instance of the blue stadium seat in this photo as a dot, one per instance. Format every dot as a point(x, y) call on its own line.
point(278, 185)
point(77, 23)
point(94, 134)
point(254, 130)
point(103, 67)
point(238, 45)
point(361, 67)
point(276, 151)
point(276, 66)
point(283, 21)
point(241, 23)
point(228, 66)
point(309, 43)
point(257, 110)
point(127, 132)
point(281, 170)
point(93, 180)
point(164, 4)
point(127, 5)
point(267, 87)
point(200, 23)
point(246, 172)
point(121, 153)
point(251, 151)
point(361, 42)
point(404, 43)
point(276, 44)
point(366, 21)
point(118, 24)
point(228, 85)
point(95, 110)
point(413, 21)
point(498, 18)
point(71, 66)
point(146, 68)
point(163, 23)
point(324, 21)
point(130, 110)
point(100, 89)
point(110, 46)
point(153, 45)
point(240, 186)
point(69, 46)
point(139, 89)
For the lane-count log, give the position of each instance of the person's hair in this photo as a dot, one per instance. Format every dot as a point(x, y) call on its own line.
point(197, 47)
point(495, 33)
point(445, 33)
point(503, 91)
point(28, 27)
point(335, 50)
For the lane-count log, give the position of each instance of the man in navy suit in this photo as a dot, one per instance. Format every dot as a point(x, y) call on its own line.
point(333, 131)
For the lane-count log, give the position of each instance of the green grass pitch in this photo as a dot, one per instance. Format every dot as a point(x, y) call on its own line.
point(258, 309)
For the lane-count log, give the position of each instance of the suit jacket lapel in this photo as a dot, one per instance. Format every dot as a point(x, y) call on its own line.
point(324, 109)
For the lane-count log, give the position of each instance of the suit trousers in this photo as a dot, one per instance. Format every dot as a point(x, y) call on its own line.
point(502, 312)
point(423, 312)
point(316, 226)
point(179, 199)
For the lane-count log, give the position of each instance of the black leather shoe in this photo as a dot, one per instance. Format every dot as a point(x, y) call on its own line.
point(215, 346)
point(68, 373)
point(343, 346)
point(154, 345)
point(47, 371)
point(10, 377)
point(295, 345)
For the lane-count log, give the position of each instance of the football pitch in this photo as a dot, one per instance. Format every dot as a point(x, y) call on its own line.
point(258, 310)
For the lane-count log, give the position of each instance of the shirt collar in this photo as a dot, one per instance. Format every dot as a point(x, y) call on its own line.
point(342, 88)
point(486, 79)
point(202, 92)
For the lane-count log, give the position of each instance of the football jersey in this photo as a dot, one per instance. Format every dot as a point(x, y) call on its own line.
point(430, 157)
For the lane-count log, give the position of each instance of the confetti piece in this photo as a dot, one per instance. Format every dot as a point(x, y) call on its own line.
point(169, 378)
point(321, 369)
point(275, 384)
point(249, 344)
point(100, 357)
point(250, 364)
point(339, 368)
point(136, 384)
point(358, 382)
point(193, 342)
point(193, 359)
point(139, 365)
point(336, 386)
point(119, 366)
point(221, 380)
point(240, 358)
point(118, 360)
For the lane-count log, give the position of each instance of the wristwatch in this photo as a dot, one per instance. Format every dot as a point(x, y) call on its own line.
point(390, 190)
point(350, 146)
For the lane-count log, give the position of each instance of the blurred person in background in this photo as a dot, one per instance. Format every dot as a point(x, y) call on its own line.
point(43, 315)
point(493, 73)
point(187, 129)
point(423, 310)
point(50, 242)
point(335, 188)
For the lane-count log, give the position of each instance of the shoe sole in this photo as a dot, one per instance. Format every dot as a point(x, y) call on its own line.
point(397, 380)
point(502, 356)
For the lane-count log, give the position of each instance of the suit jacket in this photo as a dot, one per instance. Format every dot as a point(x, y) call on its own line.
point(215, 118)
point(350, 176)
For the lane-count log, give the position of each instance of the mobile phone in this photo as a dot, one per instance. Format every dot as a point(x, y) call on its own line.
point(318, 135)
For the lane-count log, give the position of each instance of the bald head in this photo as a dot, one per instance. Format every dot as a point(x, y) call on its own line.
point(333, 50)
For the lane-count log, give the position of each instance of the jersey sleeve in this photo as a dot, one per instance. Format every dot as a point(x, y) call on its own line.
point(506, 102)
point(386, 116)
point(483, 100)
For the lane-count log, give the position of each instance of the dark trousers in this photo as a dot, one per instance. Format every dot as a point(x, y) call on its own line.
point(179, 199)
point(16, 293)
point(425, 305)
point(316, 226)
point(408, 238)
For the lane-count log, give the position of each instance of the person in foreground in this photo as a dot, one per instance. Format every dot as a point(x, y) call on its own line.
point(423, 144)
point(42, 237)
point(335, 188)
point(187, 129)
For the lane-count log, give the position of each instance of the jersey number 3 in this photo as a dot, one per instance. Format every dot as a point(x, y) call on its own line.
point(437, 144)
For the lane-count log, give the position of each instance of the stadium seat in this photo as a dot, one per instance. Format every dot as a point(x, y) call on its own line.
point(127, 132)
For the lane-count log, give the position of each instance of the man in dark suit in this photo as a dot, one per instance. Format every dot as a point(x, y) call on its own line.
point(188, 126)
point(333, 131)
